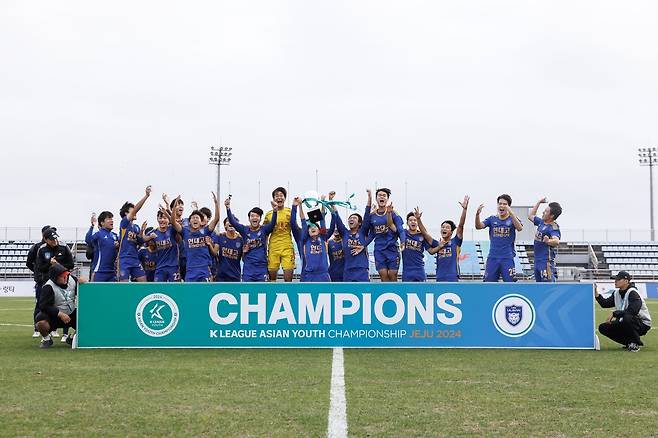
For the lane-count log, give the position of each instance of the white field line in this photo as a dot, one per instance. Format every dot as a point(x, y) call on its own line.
point(27, 308)
point(16, 325)
point(337, 423)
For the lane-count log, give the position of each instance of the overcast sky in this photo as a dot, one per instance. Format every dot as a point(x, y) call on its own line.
point(531, 98)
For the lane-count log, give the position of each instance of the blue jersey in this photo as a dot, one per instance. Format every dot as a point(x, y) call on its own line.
point(353, 240)
point(230, 255)
point(198, 255)
point(315, 251)
point(148, 260)
point(413, 256)
point(129, 241)
point(105, 250)
point(336, 258)
point(502, 235)
point(543, 252)
point(255, 259)
point(447, 260)
point(167, 247)
point(385, 238)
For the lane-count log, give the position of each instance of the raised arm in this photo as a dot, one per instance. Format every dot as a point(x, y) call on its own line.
point(173, 217)
point(389, 219)
point(365, 226)
point(215, 219)
point(462, 218)
point(533, 211)
point(90, 236)
point(267, 229)
point(402, 233)
point(515, 219)
point(421, 226)
point(242, 229)
point(339, 223)
point(479, 225)
point(140, 204)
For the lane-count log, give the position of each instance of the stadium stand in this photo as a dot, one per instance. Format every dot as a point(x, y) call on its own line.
point(13, 255)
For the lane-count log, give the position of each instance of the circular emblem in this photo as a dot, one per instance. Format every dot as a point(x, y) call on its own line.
point(157, 315)
point(513, 315)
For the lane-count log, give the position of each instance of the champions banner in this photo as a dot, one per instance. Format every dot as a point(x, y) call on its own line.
point(361, 315)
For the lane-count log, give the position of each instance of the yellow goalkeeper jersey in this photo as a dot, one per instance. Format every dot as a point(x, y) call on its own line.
point(281, 237)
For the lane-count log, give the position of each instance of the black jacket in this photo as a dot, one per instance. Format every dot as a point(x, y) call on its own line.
point(32, 257)
point(61, 253)
point(634, 303)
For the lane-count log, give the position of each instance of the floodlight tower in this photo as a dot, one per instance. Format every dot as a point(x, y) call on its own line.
point(220, 156)
point(649, 157)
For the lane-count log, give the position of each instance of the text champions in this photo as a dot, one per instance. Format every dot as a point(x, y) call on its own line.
point(337, 308)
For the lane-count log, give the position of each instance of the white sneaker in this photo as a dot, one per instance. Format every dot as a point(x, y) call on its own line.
point(36, 335)
point(54, 334)
point(64, 338)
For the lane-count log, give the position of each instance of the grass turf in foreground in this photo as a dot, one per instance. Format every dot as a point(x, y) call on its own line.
point(156, 392)
point(504, 392)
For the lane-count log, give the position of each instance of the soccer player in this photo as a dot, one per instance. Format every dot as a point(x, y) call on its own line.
point(197, 243)
point(280, 248)
point(414, 247)
point(547, 238)
point(129, 267)
point(254, 237)
point(387, 253)
point(167, 261)
point(449, 247)
point(230, 254)
point(182, 253)
point(106, 245)
point(355, 244)
point(148, 255)
point(502, 234)
point(314, 249)
point(336, 257)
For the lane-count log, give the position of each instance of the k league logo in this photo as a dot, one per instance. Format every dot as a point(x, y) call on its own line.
point(513, 315)
point(157, 315)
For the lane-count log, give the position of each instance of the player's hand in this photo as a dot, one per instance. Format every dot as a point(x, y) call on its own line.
point(165, 198)
point(610, 318)
point(546, 239)
point(147, 190)
point(93, 219)
point(479, 210)
point(417, 213)
point(227, 202)
point(369, 192)
point(274, 205)
point(356, 250)
point(194, 205)
point(596, 290)
point(245, 248)
point(508, 209)
point(214, 198)
point(389, 208)
point(53, 261)
point(543, 200)
point(64, 317)
point(402, 247)
point(152, 236)
point(116, 244)
point(297, 201)
point(465, 202)
point(208, 240)
point(332, 194)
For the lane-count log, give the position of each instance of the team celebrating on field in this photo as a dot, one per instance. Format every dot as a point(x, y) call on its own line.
point(191, 248)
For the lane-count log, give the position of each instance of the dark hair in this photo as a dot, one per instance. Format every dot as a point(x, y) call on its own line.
point(148, 230)
point(171, 204)
point(256, 210)
point(410, 214)
point(506, 197)
point(161, 214)
point(556, 209)
point(125, 208)
point(226, 220)
point(104, 215)
point(358, 216)
point(385, 190)
point(197, 213)
point(451, 223)
point(206, 212)
point(280, 189)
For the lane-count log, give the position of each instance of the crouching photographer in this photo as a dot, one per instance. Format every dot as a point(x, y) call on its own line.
point(57, 304)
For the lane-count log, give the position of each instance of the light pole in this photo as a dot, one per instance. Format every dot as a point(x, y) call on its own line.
point(649, 157)
point(220, 156)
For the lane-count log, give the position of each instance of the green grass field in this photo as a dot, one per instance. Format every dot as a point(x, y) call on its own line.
point(394, 393)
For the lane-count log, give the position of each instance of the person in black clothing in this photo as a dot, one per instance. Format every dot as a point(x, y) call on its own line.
point(49, 253)
point(630, 319)
point(57, 307)
point(31, 265)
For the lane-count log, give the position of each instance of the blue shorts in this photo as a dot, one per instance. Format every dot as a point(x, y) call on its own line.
point(336, 277)
point(447, 278)
point(356, 275)
point(223, 278)
point(315, 278)
point(103, 277)
point(197, 275)
point(545, 272)
point(167, 274)
point(150, 276)
point(387, 259)
point(496, 268)
point(131, 273)
point(256, 276)
point(413, 275)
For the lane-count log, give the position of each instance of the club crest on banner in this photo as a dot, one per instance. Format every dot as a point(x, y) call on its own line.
point(514, 314)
